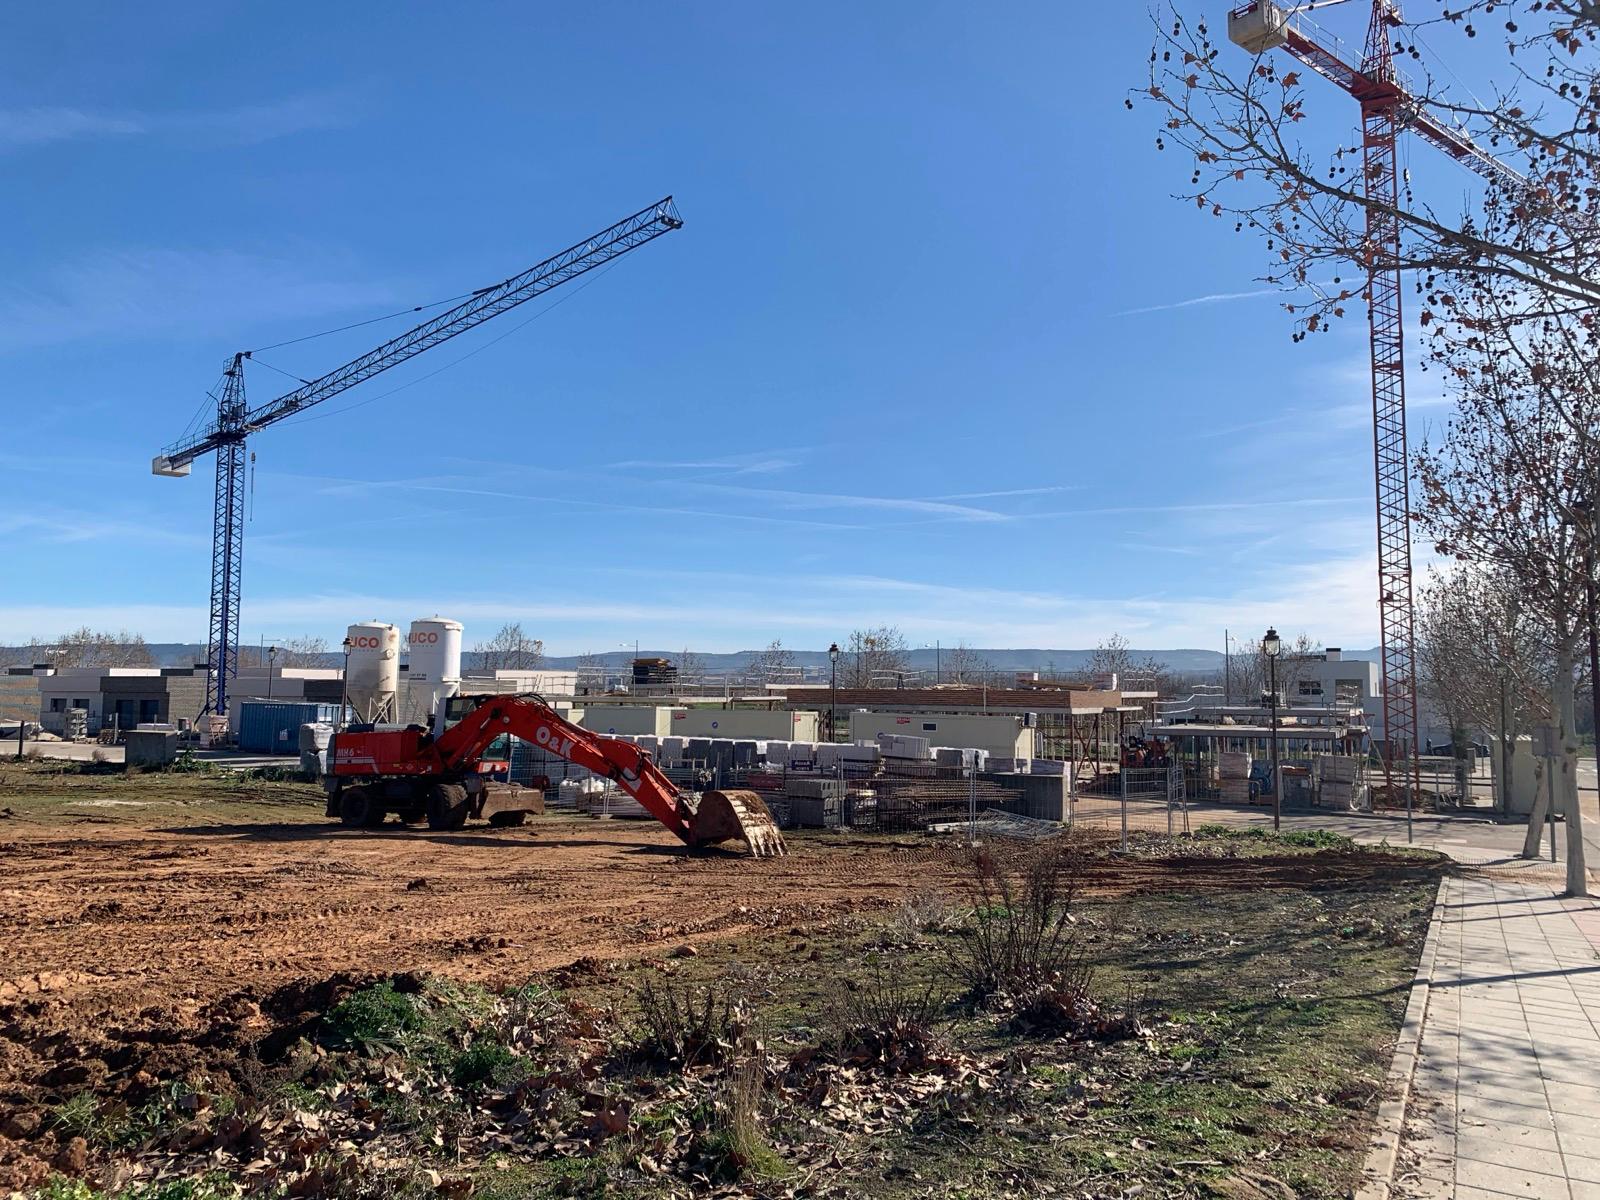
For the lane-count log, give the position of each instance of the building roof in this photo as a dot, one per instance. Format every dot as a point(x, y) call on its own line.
point(957, 699)
point(1306, 733)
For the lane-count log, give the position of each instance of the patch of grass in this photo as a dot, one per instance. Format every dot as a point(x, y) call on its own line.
point(209, 1187)
point(61, 791)
point(487, 1062)
point(737, 1145)
point(1300, 839)
point(376, 1018)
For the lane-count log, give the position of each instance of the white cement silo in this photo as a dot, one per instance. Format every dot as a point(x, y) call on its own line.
point(373, 673)
point(433, 649)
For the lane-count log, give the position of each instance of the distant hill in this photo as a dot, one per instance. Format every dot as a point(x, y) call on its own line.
point(1188, 661)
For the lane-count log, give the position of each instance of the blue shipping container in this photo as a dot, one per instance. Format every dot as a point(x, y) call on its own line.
point(273, 726)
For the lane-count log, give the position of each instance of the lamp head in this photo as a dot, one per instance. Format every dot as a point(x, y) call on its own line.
point(1272, 644)
point(833, 652)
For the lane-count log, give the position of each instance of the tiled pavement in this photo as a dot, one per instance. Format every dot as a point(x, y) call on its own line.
point(1505, 1098)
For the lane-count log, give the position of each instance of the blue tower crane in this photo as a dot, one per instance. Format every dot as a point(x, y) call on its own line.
point(236, 420)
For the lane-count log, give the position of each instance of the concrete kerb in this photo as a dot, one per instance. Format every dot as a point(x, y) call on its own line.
point(1377, 1173)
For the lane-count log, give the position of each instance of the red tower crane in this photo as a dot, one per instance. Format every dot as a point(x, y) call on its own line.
point(1386, 109)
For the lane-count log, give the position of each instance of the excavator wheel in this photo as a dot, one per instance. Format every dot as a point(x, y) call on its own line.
point(737, 816)
point(447, 806)
point(360, 807)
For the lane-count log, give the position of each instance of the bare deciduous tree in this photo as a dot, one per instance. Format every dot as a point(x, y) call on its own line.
point(1508, 485)
point(774, 664)
point(510, 650)
point(303, 651)
point(964, 665)
point(691, 667)
point(1251, 670)
point(85, 647)
point(873, 658)
point(1237, 119)
point(1483, 659)
point(1134, 673)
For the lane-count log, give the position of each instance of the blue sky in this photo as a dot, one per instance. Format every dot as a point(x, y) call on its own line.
point(935, 348)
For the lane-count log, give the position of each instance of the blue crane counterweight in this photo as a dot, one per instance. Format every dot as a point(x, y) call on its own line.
point(236, 420)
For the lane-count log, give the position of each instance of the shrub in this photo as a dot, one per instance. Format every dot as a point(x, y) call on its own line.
point(1021, 934)
point(888, 1021)
point(375, 1018)
point(924, 911)
point(689, 1027)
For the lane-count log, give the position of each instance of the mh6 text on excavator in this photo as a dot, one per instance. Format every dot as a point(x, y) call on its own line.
point(440, 777)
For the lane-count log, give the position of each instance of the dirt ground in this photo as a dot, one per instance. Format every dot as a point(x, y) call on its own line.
point(106, 913)
point(163, 927)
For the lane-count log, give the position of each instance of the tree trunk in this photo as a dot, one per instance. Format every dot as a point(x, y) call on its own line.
point(1507, 749)
point(1566, 768)
point(1537, 818)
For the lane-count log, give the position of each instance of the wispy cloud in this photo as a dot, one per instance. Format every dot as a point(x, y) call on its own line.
point(67, 528)
point(822, 500)
point(1332, 599)
point(240, 125)
point(1196, 301)
point(733, 466)
point(1028, 491)
point(138, 293)
point(40, 126)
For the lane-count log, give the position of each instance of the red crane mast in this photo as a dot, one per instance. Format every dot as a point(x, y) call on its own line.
point(1386, 109)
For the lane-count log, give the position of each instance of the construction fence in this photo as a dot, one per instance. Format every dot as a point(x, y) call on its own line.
point(902, 796)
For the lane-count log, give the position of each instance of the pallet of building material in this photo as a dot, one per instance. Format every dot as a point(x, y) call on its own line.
point(75, 728)
point(613, 802)
point(1235, 791)
point(1233, 764)
point(904, 745)
point(1339, 768)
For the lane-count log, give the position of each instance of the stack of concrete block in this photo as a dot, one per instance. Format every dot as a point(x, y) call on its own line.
point(816, 802)
point(904, 746)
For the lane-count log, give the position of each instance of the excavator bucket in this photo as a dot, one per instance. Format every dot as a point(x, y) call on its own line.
point(737, 816)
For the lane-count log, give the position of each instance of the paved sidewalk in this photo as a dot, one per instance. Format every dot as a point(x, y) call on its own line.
point(1505, 1097)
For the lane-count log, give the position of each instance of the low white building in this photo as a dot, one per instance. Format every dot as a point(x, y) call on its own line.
point(120, 696)
point(1002, 735)
point(1330, 680)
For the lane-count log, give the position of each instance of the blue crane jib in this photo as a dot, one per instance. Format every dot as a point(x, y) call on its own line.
point(236, 420)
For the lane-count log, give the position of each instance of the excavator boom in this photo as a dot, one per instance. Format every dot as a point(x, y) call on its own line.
point(456, 754)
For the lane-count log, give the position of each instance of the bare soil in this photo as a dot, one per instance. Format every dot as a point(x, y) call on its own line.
point(158, 928)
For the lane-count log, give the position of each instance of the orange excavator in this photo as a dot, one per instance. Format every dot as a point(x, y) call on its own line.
point(444, 778)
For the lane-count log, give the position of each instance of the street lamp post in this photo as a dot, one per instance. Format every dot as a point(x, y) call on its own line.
point(272, 655)
point(344, 700)
point(833, 705)
point(1272, 646)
